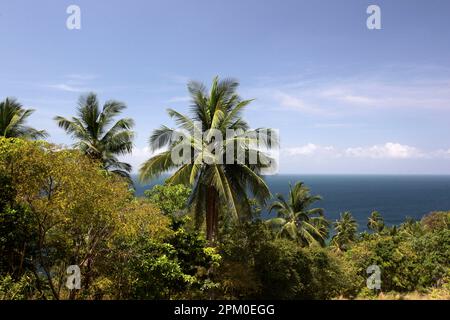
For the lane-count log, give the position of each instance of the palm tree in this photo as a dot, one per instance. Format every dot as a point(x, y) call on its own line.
point(376, 222)
point(295, 218)
point(97, 136)
point(220, 185)
point(345, 231)
point(12, 121)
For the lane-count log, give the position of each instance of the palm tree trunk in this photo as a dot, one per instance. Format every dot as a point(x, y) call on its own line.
point(216, 218)
point(212, 215)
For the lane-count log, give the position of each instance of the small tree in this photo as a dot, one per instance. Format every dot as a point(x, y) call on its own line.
point(376, 222)
point(345, 232)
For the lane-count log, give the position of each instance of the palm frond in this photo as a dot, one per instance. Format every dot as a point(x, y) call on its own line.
point(156, 166)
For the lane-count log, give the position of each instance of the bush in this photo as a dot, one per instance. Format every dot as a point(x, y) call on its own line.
point(170, 199)
point(169, 267)
point(287, 271)
point(21, 289)
point(258, 266)
point(414, 259)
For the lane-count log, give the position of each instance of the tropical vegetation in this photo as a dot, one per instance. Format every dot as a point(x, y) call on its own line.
point(98, 136)
point(296, 220)
point(12, 121)
point(202, 233)
point(219, 185)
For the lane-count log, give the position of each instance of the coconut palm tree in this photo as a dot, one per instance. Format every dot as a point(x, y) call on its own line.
point(376, 222)
point(296, 220)
point(98, 136)
point(12, 121)
point(345, 231)
point(221, 181)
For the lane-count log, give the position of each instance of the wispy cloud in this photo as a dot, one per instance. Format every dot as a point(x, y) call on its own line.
point(67, 88)
point(388, 150)
point(310, 149)
point(338, 95)
point(81, 77)
point(179, 99)
point(75, 83)
point(177, 78)
point(291, 102)
point(425, 94)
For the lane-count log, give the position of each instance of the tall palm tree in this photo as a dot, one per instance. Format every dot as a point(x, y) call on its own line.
point(12, 121)
point(220, 185)
point(345, 231)
point(96, 134)
point(376, 222)
point(296, 220)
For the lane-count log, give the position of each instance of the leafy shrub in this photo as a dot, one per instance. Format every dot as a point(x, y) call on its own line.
point(21, 289)
point(170, 199)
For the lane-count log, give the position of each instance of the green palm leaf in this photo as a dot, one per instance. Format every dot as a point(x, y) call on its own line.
point(12, 121)
point(98, 136)
point(218, 188)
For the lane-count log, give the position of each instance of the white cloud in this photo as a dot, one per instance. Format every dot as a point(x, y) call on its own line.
point(324, 96)
point(383, 94)
point(67, 88)
point(441, 153)
point(388, 150)
point(177, 78)
point(81, 77)
point(292, 102)
point(309, 149)
point(315, 153)
point(75, 83)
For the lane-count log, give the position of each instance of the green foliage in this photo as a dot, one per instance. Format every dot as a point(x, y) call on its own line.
point(415, 258)
point(219, 188)
point(237, 275)
point(176, 266)
point(22, 289)
point(436, 221)
point(170, 199)
point(258, 266)
point(97, 136)
point(58, 207)
point(345, 232)
point(12, 121)
point(433, 250)
point(296, 220)
point(287, 271)
point(18, 240)
point(64, 210)
point(376, 222)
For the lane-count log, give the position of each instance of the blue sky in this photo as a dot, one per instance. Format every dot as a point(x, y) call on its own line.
point(345, 99)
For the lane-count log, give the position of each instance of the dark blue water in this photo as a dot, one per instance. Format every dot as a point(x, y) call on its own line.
point(395, 197)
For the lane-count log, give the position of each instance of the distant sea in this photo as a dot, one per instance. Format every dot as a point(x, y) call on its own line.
point(394, 196)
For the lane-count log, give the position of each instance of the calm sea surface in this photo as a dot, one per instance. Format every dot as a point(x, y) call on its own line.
point(395, 197)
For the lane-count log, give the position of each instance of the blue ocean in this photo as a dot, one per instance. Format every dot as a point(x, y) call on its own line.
point(394, 196)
